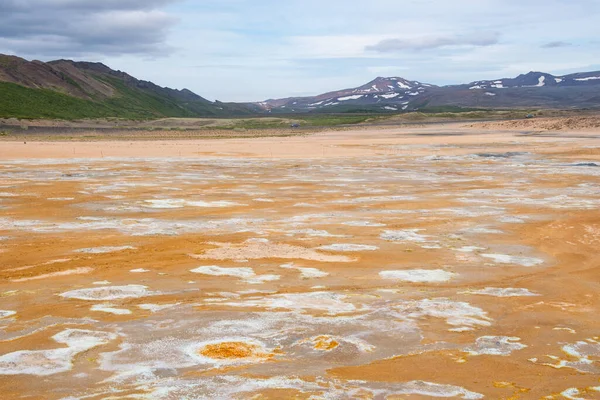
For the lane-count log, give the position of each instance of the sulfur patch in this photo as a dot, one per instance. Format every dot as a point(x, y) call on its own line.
point(230, 351)
point(108, 293)
point(219, 271)
point(418, 275)
point(495, 345)
point(331, 303)
point(456, 313)
point(519, 260)
point(7, 313)
point(108, 308)
point(75, 271)
point(55, 361)
point(503, 292)
point(348, 247)
point(409, 235)
point(104, 249)
point(261, 250)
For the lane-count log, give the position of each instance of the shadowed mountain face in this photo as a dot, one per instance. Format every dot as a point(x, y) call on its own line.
point(69, 89)
point(534, 89)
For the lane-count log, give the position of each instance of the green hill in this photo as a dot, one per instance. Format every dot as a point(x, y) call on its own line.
point(70, 90)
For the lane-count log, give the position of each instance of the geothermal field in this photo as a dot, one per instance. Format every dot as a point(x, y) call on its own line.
point(391, 263)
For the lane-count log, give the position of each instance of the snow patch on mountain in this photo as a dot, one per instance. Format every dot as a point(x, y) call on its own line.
point(345, 98)
point(541, 81)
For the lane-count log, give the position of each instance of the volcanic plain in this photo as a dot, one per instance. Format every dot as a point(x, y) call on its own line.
point(443, 261)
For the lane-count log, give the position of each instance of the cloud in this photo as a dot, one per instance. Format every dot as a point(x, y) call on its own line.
point(434, 42)
point(557, 44)
point(84, 28)
point(31, 5)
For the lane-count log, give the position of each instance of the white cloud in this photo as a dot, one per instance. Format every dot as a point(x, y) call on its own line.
point(340, 46)
point(434, 42)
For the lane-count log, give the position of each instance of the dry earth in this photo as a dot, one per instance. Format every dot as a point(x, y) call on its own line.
point(544, 124)
point(439, 262)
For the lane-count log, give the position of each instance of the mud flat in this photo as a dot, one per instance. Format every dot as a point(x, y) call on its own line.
point(437, 262)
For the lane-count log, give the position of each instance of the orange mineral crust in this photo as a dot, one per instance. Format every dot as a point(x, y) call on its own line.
point(443, 261)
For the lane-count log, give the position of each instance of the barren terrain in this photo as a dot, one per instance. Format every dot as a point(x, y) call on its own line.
point(591, 123)
point(402, 263)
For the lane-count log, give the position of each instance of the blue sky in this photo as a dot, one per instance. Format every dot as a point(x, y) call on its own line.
point(241, 50)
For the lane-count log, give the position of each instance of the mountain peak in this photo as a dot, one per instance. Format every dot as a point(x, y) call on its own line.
point(535, 73)
point(386, 78)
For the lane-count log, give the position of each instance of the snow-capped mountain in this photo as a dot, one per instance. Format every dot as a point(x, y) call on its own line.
point(539, 79)
point(397, 94)
point(380, 90)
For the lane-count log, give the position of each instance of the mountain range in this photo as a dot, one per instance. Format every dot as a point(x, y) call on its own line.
point(68, 89)
point(534, 89)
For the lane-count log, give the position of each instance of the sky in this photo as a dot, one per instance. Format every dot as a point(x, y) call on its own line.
point(252, 50)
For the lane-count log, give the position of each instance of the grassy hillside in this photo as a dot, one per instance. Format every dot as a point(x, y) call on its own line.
point(22, 102)
point(67, 89)
point(136, 103)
